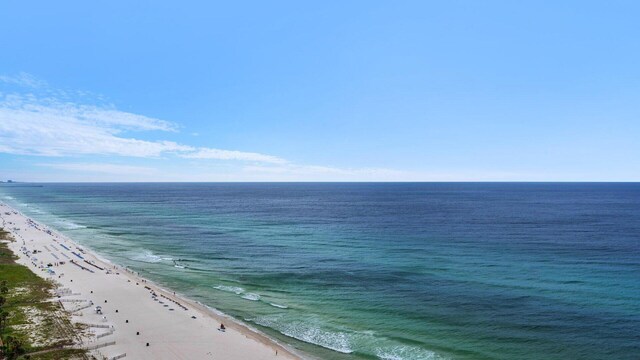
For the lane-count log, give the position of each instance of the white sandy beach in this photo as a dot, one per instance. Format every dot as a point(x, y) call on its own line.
point(128, 304)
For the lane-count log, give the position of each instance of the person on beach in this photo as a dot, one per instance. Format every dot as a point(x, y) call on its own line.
point(222, 328)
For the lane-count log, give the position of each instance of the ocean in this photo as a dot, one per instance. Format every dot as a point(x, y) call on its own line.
point(380, 270)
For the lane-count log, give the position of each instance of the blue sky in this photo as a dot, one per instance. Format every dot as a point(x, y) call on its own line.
point(320, 91)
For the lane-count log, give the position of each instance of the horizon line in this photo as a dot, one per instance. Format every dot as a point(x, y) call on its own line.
point(330, 182)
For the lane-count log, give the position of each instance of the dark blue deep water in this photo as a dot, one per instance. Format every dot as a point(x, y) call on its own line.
point(381, 270)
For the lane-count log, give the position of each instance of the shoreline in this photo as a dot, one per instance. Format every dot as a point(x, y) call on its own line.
point(30, 235)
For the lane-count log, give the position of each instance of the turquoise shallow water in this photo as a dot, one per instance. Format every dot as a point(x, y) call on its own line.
point(388, 271)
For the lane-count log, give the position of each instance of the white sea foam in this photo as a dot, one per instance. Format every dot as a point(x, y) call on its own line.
point(335, 341)
point(405, 352)
point(69, 225)
point(308, 332)
point(366, 332)
point(279, 306)
point(149, 257)
point(251, 296)
point(9, 197)
point(233, 289)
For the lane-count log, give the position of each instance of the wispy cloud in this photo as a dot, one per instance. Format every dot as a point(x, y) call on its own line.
point(323, 170)
point(48, 122)
point(29, 126)
point(49, 126)
point(207, 153)
point(23, 79)
point(115, 169)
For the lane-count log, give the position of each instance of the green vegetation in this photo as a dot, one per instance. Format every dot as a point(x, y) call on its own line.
point(31, 326)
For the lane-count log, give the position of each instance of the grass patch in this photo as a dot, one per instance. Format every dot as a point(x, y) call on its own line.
point(41, 326)
point(6, 257)
point(59, 354)
point(4, 235)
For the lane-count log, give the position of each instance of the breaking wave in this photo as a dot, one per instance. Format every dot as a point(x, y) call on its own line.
point(315, 331)
point(233, 289)
point(149, 257)
point(69, 225)
point(251, 296)
point(404, 352)
point(279, 306)
point(307, 332)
